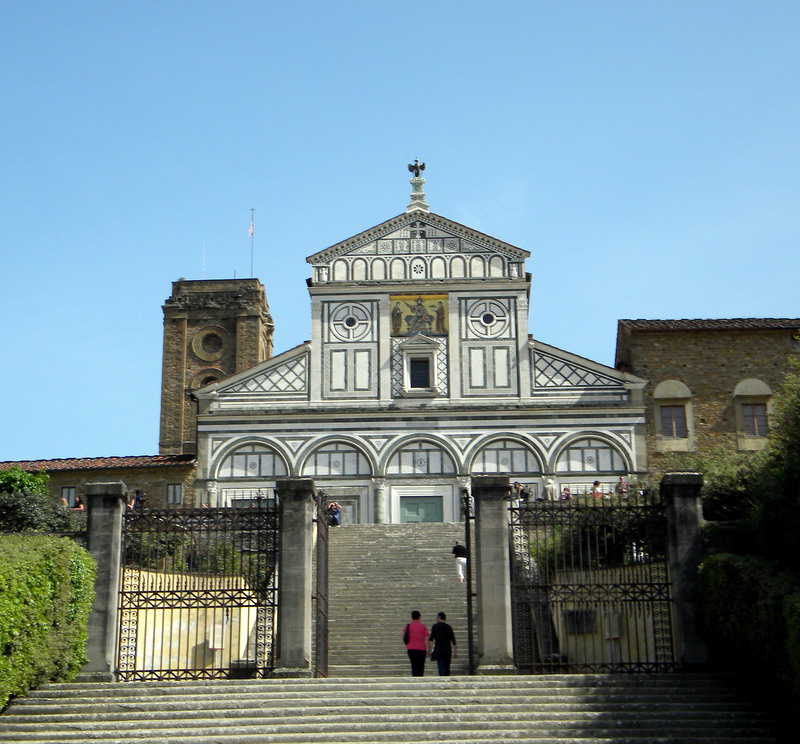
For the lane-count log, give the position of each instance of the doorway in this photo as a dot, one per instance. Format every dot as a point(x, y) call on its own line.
point(421, 509)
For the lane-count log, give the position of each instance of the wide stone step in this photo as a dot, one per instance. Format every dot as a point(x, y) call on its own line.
point(641, 709)
point(394, 723)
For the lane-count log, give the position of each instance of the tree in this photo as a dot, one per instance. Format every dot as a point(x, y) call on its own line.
point(25, 504)
point(774, 482)
point(17, 480)
point(726, 473)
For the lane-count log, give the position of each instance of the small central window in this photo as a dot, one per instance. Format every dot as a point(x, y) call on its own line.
point(419, 373)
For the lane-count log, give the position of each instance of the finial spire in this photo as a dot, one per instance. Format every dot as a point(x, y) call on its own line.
point(417, 182)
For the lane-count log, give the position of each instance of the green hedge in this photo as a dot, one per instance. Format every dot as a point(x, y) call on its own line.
point(751, 613)
point(46, 592)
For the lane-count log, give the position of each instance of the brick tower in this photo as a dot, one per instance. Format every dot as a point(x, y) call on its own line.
point(212, 329)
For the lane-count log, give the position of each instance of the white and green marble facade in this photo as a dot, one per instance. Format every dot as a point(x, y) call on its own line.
point(420, 373)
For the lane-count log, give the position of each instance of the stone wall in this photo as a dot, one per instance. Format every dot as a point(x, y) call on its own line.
point(151, 480)
point(710, 362)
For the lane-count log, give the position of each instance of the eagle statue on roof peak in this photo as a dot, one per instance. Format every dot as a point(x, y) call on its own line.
point(416, 167)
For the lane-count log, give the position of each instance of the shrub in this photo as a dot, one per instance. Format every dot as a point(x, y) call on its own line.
point(751, 608)
point(775, 517)
point(726, 489)
point(46, 593)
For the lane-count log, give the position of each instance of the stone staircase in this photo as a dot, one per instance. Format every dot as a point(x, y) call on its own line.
point(592, 709)
point(378, 574)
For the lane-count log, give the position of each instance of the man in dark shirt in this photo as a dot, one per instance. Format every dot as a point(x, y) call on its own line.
point(444, 644)
point(460, 554)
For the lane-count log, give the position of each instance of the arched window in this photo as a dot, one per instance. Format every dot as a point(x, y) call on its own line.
point(752, 398)
point(590, 456)
point(252, 461)
point(420, 458)
point(336, 459)
point(674, 423)
point(506, 456)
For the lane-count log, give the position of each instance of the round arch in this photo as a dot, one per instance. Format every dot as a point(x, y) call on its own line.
point(250, 451)
point(403, 455)
point(340, 270)
point(378, 269)
point(360, 269)
point(510, 453)
point(318, 459)
point(590, 452)
point(752, 388)
point(207, 376)
point(671, 389)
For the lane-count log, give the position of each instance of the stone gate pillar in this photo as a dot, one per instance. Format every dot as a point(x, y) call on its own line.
point(105, 507)
point(295, 589)
point(493, 575)
point(681, 493)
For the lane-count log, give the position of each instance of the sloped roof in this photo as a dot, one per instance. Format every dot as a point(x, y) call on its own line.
point(718, 324)
point(101, 463)
point(627, 327)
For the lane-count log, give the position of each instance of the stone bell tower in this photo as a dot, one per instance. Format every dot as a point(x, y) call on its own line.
point(212, 329)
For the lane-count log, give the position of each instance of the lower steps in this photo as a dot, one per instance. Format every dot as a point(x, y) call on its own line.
point(594, 709)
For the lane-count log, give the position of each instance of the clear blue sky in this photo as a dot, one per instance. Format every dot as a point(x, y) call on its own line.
point(646, 153)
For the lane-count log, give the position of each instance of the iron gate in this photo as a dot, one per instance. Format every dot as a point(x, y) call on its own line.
point(198, 592)
point(590, 585)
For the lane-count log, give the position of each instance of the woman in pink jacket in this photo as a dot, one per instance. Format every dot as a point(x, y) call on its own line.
point(415, 636)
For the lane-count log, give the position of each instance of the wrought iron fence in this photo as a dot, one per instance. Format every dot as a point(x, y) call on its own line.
point(590, 585)
point(198, 592)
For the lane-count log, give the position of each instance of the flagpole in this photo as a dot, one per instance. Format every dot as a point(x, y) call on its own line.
point(252, 232)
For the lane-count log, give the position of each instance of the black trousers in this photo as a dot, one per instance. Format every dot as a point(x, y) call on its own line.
point(417, 658)
point(443, 659)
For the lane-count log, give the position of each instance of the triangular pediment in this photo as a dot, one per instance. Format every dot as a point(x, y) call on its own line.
point(418, 233)
point(419, 341)
point(283, 376)
point(554, 368)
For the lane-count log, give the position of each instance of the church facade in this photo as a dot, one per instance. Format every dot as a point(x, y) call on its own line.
point(419, 374)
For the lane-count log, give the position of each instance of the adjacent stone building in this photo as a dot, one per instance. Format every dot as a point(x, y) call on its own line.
point(710, 382)
point(165, 479)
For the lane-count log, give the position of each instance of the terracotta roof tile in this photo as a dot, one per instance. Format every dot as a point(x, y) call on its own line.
point(101, 463)
point(728, 324)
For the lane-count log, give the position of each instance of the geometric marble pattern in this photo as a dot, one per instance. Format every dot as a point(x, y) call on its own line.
point(398, 368)
point(552, 372)
point(289, 377)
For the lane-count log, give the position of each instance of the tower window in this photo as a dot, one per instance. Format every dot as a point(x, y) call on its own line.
point(212, 343)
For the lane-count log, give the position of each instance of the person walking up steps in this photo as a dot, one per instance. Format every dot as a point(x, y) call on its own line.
point(460, 554)
point(444, 649)
point(415, 636)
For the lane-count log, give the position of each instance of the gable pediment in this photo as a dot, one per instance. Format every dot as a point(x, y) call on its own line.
point(282, 377)
point(555, 368)
point(419, 342)
point(420, 234)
